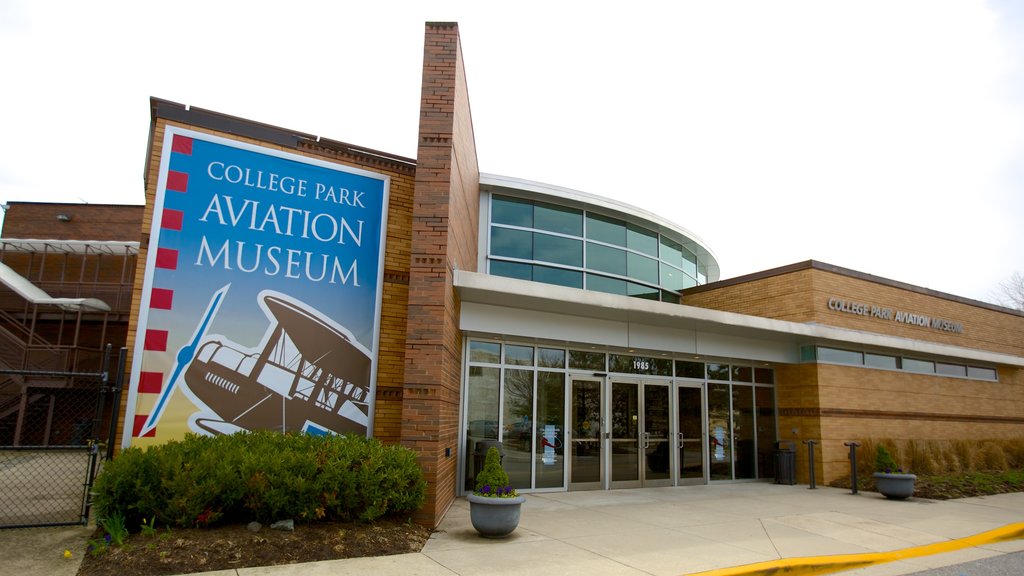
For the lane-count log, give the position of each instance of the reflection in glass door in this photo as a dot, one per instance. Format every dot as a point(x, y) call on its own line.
point(719, 432)
point(744, 452)
point(625, 435)
point(657, 470)
point(690, 407)
point(586, 466)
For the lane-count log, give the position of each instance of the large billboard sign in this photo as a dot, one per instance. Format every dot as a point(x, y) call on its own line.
point(260, 306)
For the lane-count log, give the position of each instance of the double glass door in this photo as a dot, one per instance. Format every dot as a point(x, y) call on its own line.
point(622, 434)
point(628, 433)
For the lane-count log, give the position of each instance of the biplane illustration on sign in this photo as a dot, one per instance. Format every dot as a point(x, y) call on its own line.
point(261, 297)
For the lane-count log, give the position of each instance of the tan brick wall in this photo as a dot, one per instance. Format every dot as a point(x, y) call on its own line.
point(802, 295)
point(445, 224)
point(391, 364)
point(838, 404)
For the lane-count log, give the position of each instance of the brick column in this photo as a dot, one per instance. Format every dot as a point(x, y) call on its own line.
point(444, 237)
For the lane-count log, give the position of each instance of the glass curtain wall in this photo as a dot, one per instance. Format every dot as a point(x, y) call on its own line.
point(518, 394)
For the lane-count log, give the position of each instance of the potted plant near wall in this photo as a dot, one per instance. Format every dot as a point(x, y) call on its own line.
point(891, 481)
point(494, 506)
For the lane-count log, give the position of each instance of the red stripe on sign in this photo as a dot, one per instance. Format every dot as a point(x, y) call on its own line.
point(140, 421)
point(161, 298)
point(167, 258)
point(156, 341)
point(172, 219)
point(177, 181)
point(151, 382)
point(181, 144)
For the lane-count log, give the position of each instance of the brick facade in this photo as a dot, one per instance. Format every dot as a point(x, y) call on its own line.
point(836, 404)
point(445, 230)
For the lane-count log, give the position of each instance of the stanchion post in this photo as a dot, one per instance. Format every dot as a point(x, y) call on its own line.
point(853, 465)
point(810, 462)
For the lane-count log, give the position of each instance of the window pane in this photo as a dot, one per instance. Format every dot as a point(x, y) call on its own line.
point(670, 297)
point(639, 365)
point(558, 276)
point(950, 369)
point(880, 361)
point(671, 252)
point(764, 399)
point(512, 269)
point(672, 278)
point(764, 376)
point(742, 374)
point(551, 429)
point(512, 243)
point(520, 355)
point(642, 240)
point(582, 360)
point(915, 365)
point(689, 263)
point(550, 358)
point(605, 284)
point(606, 229)
point(642, 268)
point(481, 415)
point(686, 369)
point(605, 259)
point(489, 352)
point(982, 373)
point(483, 402)
point(840, 356)
point(718, 371)
point(640, 291)
point(517, 433)
point(558, 250)
point(558, 219)
point(512, 211)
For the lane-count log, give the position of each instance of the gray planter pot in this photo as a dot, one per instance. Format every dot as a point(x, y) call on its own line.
point(494, 517)
point(895, 486)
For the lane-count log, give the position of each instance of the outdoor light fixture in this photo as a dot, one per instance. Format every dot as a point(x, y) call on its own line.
point(64, 217)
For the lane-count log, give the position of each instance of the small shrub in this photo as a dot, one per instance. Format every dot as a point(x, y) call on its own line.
point(884, 462)
point(492, 481)
point(262, 476)
point(994, 457)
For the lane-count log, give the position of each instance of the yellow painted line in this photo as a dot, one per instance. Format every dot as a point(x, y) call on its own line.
point(811, 565)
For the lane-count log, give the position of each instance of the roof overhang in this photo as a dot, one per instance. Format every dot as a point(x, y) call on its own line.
point(485, 289)
point(111, 247)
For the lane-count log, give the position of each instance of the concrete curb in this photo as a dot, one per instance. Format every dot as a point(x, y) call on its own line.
point(812, 565)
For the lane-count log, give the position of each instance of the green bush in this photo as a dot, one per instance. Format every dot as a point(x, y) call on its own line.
point(884, 462)
point(262, 476)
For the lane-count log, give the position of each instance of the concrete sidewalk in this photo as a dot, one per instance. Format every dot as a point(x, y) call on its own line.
point(674, 531)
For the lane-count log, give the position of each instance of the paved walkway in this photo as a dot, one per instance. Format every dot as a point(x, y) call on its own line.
point(674, 531)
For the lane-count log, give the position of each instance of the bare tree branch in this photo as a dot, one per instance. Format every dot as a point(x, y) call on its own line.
point(1010, 292)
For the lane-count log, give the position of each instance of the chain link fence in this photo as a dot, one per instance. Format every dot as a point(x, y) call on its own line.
point(55, 427)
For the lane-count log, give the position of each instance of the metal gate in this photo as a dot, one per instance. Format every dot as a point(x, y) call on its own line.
point(55, 427)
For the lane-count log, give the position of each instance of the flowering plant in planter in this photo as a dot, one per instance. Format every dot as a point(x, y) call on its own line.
point(494, 505)
point(492, 481)
point(891, 481)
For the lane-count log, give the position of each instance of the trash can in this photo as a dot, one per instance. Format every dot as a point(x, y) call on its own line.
point(480, 454)
point(785, 463)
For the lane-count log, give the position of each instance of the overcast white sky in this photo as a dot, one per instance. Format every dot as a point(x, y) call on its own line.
point(885, 136)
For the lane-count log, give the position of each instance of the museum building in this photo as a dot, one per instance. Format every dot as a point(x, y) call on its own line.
point(594, 340)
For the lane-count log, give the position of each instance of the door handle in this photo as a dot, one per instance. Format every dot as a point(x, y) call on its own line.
point(647, 440)
point(680, 439)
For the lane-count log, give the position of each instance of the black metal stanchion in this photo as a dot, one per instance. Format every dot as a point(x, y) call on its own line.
point(810, 462)
point(853, 465)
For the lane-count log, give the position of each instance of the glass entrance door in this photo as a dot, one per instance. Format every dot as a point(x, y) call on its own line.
point(657, 437)
point(586, 466)
point(625, 434)
point(690, 408)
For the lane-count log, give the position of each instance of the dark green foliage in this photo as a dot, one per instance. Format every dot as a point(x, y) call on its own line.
point(492, 480)
point(884, 462)
point(262, 476)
